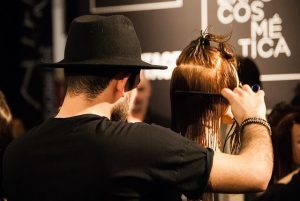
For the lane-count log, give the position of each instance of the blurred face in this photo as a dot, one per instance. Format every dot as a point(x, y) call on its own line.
point(296, 143)
point(143, 94)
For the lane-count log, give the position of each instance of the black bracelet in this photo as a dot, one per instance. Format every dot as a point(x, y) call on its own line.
point(256, 120)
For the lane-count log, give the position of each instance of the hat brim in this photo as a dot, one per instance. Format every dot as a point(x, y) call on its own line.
point(104, 64)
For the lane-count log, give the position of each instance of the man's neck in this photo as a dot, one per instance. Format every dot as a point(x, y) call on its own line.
point(79, 104)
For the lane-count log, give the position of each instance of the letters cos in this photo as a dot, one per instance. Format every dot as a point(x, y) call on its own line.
point(266, 38)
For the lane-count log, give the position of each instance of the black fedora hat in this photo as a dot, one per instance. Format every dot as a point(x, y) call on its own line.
point(101, 42)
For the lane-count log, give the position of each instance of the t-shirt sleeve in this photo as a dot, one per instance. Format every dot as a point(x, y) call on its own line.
point(194, 170)
point(179, 161)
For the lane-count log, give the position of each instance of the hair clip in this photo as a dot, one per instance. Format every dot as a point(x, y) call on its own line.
point(203, 40)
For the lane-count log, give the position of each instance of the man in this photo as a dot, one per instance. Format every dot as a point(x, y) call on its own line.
point(87, 152)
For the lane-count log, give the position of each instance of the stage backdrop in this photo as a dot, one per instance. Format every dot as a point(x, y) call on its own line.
point(264, 30)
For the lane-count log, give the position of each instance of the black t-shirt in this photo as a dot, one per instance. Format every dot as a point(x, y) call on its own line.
point(283, 192)
point(89, 157)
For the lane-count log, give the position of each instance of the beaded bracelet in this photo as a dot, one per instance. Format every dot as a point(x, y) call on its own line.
point(256, 120)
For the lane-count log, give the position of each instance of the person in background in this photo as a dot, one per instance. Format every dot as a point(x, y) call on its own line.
point(285, 183)
point(89, 152)
point(278, 112)
point(287, 188)
point(285, 139)
point(138, 112)
point(248, 71)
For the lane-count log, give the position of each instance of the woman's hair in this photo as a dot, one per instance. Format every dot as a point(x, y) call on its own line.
point(278, 112)
point(282, 140)
point(207, 65)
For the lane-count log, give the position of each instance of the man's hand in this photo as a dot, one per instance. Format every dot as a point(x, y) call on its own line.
point(245, 103)
point(251, 169)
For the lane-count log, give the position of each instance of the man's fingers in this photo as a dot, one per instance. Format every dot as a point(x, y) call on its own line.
point(246, 87)
point(228, 94)
point(238, 90)
point(261, 93)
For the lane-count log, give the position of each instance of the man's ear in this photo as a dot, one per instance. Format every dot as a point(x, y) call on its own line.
point(120, 86)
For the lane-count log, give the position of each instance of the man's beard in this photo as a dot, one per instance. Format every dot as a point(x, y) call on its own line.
point(120, 111)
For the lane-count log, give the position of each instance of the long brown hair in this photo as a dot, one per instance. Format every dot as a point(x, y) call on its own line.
point(204, 67)
point(282, 143)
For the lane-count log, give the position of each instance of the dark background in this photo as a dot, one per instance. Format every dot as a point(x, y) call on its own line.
point(26, 38)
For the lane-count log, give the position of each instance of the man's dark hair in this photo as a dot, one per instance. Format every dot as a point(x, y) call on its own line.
point(89, 83)
point(92, 82)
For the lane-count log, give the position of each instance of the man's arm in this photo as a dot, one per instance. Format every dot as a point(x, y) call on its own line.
point(251, 169)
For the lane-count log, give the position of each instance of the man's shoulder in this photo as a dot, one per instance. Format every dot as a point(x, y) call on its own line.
point(151, 129)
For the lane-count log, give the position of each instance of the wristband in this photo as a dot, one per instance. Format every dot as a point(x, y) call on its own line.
point(256, 120)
